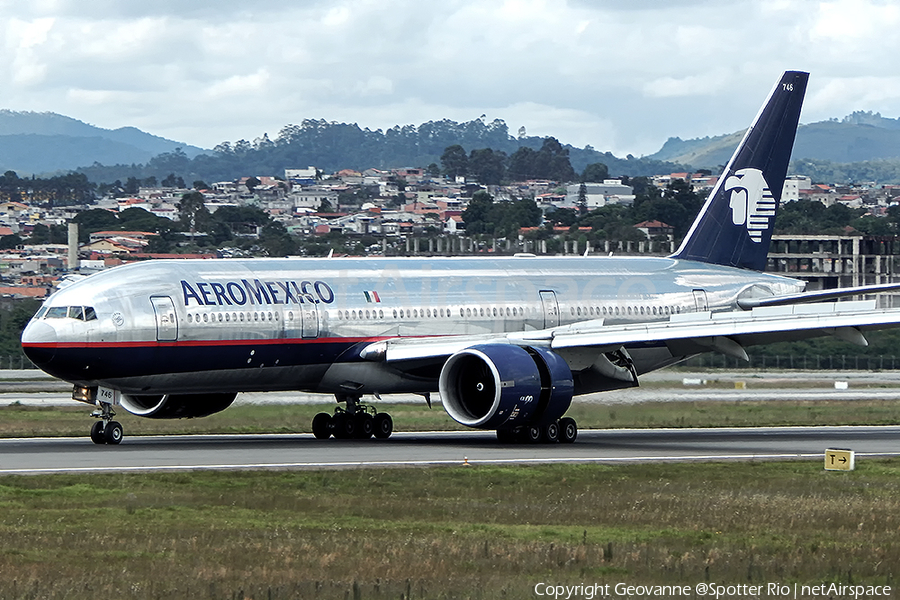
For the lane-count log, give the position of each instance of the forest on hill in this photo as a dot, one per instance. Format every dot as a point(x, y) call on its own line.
point(331, 146)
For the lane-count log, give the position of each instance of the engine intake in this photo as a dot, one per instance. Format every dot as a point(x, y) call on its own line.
point(176, 406)
point(493, 386)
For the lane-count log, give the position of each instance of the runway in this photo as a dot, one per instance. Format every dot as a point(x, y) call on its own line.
point(303, 451)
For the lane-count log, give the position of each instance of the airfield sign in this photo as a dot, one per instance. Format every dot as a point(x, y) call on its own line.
point(840, 460)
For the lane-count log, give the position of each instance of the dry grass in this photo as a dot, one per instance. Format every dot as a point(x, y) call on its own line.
point(18, 421)
point(477, 532)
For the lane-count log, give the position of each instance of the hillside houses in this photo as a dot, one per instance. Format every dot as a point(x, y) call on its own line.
point(390, 206)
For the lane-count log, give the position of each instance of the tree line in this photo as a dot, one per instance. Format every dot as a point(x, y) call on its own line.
point(59, 190)
point(332, 146)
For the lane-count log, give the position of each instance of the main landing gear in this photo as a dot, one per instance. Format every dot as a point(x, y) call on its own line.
point(106, 431)
point(356, 421)
point(565, 430)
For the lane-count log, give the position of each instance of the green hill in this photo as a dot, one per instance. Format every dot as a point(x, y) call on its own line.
point(36, 143)
point(858, 137)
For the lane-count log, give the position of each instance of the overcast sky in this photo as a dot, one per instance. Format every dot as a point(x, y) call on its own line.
point(620, 75)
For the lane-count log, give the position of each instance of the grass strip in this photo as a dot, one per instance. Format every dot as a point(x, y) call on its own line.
point(460, 532)
point(23, 421)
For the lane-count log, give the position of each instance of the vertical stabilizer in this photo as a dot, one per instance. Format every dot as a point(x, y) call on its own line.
point(734, 226)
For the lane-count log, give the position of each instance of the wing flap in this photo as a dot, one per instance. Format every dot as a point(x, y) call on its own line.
point(763, 325)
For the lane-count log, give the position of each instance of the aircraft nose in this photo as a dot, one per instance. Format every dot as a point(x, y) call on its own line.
point(39, 343)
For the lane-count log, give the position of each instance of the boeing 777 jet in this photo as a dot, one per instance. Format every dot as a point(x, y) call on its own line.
point(507, 342)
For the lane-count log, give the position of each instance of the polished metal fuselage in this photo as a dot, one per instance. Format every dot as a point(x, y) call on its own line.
point(183, 326)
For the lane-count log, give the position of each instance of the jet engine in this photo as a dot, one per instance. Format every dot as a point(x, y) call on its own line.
point(494, 386)
point(176, 406)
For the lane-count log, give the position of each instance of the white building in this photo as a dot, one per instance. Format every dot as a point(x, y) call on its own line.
point(611, 191)
point(792, 187)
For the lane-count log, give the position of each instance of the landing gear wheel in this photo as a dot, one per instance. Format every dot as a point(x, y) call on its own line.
point(113, 432)
point(321, 426)
point(551, 432)
point(344, 426)
point(531, 434)
point(365, 425)
point(97, 433)
point(384, 426)
point(568, 430)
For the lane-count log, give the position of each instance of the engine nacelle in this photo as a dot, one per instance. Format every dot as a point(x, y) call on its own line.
point(176, 406)
point(501, 386)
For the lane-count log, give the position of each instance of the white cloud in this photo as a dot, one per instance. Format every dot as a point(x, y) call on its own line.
point(621, 75)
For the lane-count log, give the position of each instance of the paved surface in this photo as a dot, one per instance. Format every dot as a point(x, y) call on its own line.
point(35, 388)
point(43, 455)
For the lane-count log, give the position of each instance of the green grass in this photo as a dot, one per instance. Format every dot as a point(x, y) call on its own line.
point(18, 421)
point(464, 532)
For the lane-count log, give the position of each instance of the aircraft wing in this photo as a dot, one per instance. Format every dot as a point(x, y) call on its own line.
point(684, 334)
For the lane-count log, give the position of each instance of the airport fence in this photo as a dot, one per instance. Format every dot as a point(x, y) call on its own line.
point(840, 362)
point(15, 362)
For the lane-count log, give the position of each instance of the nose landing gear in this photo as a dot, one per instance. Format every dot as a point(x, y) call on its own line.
point(106, 431)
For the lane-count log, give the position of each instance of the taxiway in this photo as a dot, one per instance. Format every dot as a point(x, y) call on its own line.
point(302, 451)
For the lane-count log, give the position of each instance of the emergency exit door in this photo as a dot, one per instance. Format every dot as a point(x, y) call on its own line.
point(166, 321)
point(550, 307)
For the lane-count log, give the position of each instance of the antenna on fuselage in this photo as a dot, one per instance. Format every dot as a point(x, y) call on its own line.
point(330, 253)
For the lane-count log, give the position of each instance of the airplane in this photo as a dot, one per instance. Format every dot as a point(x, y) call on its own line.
point(506, 341)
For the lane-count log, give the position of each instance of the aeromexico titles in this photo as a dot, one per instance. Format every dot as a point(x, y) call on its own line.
point(506, 342)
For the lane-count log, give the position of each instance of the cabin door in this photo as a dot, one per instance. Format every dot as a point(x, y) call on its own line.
point(550, 307)
point(309, 317)
point(166, 322)
point(700, 301)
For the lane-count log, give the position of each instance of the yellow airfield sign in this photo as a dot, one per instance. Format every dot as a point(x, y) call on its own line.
point(840, 460)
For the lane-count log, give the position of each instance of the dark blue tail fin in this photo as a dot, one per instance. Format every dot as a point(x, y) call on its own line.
point(734, 227)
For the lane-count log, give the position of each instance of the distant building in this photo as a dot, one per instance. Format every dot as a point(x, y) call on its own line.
point(305, 176)
point(656, 229)
point(793, 186)
point(611, 191)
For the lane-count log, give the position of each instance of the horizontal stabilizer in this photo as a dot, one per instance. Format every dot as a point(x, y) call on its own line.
point(817, 296)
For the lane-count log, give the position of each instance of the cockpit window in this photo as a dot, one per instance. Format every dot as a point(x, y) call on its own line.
point(40, 313)
point(57, 312)
point(82, 313)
